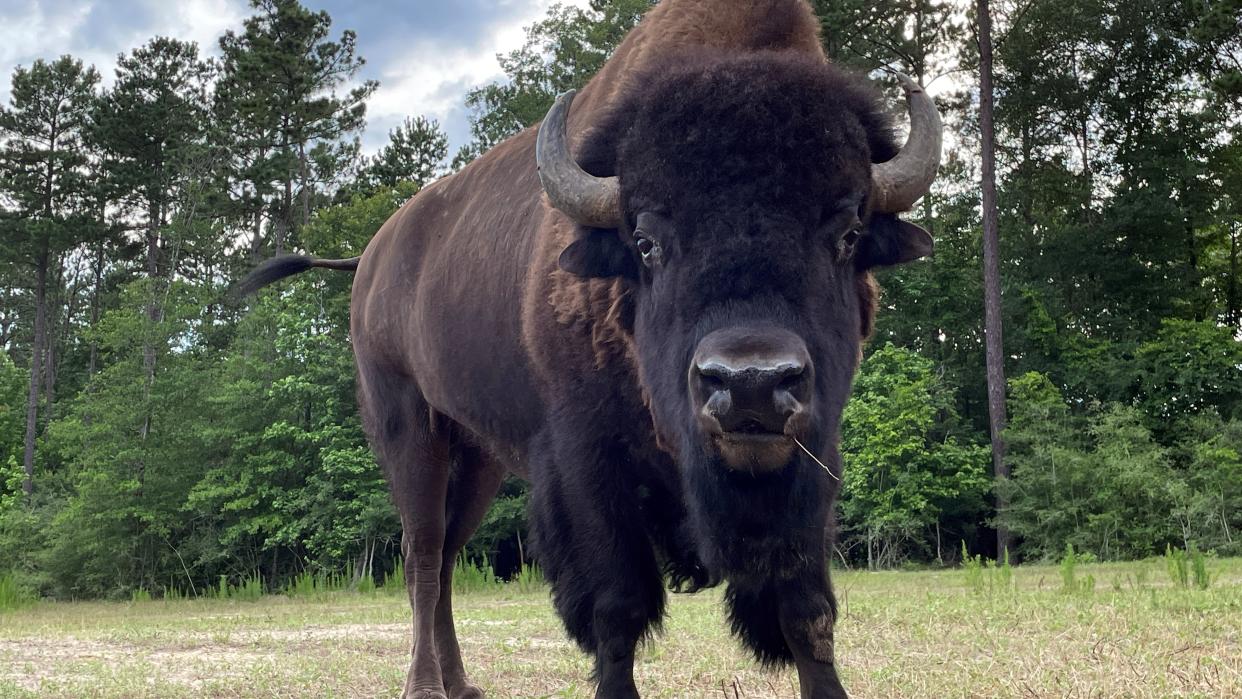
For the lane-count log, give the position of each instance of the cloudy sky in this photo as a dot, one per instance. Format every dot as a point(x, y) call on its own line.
point(425, 53)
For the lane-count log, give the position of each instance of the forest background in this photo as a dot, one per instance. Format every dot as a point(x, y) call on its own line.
point(157, 433)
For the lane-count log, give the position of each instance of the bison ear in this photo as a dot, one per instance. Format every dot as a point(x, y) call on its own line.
point(599, 253)
point(891, 241)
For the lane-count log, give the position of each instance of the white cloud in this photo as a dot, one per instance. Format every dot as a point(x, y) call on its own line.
point(431, 79)
point(200, 21)
point(97, 31)
point(30, 32)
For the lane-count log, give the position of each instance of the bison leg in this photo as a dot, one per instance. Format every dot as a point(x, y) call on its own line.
point(589, 539)
point(807, 618)
point(414, 452)
point(470, 493)
point(788, 620)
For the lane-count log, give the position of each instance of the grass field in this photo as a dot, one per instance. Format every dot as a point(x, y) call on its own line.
point(915, 634)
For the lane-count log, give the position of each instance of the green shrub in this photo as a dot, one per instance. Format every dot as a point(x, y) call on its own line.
point(972, 567)
point(1070, 582)
point(1187, 567)
point(12, 594)
point(1175, 564)
point(393, 581)
point(528, 579)
point(308, 585)
point(984, 575)
point(469, 576)
point(1198, 569)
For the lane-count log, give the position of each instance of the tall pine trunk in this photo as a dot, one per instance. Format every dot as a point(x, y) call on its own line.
point(36, 367)
point(991, 273)
point(96, 294)
point(155, 314)
point(1234, 312)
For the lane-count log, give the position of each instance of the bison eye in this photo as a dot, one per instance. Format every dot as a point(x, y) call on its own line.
point(648, 248)
point(846, 245)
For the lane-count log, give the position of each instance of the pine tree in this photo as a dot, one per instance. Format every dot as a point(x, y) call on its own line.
point(43, 171)
point(277, 95)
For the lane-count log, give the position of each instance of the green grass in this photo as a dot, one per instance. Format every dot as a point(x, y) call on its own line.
point(1013, 633)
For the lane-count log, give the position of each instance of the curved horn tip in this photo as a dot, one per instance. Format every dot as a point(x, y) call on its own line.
point(589, 200)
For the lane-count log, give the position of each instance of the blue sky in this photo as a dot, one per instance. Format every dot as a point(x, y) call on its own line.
point(425, 53)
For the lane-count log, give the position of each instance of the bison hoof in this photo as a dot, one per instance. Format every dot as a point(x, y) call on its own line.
point(468, 692)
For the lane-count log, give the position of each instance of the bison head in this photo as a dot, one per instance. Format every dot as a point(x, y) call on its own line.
point(745, 199)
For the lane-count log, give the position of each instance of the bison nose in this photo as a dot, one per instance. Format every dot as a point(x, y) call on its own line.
point(751, 385)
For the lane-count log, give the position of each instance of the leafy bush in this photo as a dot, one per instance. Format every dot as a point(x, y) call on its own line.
point(12, 595)
point(1070, 582)
point(906, 470)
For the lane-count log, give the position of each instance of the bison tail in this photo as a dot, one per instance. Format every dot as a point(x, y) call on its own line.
point(283, 266)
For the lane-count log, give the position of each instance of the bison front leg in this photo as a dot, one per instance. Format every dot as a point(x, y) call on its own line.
point(790, 620)
point(807, 618)
point(590, 541)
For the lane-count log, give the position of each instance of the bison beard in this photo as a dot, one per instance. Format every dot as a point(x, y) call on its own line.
point(648, 376)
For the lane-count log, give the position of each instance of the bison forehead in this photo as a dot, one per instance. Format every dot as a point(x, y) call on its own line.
point(781, 127)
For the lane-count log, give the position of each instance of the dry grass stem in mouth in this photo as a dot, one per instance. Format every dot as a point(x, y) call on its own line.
point(821, 463)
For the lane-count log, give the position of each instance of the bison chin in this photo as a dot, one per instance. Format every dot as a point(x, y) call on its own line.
point(756, 525)
point(757, 453)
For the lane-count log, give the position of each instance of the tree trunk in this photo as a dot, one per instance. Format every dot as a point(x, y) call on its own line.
point(304, 168)
point(36, 367)
point(154, 316)
point(991, 272)
point(96, 292)
point(1234, 313)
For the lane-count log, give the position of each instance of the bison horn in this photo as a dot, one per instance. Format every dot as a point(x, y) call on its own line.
point(587, 199)
point(898, 183)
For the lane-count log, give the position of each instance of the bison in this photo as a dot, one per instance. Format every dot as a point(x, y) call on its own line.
point(652, 307)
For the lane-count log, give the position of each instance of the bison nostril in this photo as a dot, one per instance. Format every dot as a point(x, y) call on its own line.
point(712, 382)
point(790, 382)
point(785, 403)
point(720, 403)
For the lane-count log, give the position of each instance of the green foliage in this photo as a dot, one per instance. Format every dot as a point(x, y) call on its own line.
point(12, 595)
point(415, 154)
point(1186, 567)
point(528, 578)
point(1175, 564)
point(1102, 482)
point(1198, 568)
point(250, 588)
point(393, 581)
point(1070, 582)
point(562, 52)
point(308, 585)
point(906, 470)
point(277, 91)
point(984, 576)
point(470, 576)
point(13, 381)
